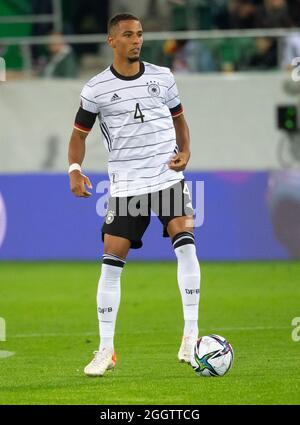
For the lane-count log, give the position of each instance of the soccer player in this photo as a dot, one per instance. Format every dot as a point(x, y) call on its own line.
point(147, 139)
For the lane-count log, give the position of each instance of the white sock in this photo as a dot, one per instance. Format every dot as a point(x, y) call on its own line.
point(108, 299)
point(191, 328)
point(188, 275)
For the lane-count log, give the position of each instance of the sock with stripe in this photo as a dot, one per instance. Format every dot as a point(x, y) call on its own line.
point(188, 276)
point(108, 298)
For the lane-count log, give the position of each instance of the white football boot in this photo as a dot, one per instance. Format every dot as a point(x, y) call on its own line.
point(103, 360)
point(186, 349)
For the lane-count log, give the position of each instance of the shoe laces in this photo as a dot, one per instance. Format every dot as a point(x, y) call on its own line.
point(101, 357)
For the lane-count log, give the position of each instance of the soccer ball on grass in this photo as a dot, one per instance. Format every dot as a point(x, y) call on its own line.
point(213, 356)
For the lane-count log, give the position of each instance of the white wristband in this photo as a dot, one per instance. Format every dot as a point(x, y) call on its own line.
point(74, 167)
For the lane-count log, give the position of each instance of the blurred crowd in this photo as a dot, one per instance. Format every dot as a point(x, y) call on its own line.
point(242, 14)
point(263, 53)
point(207, 55)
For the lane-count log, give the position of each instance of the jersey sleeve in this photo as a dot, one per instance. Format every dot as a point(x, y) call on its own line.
point(87, 100)
point(88, 111)
point(172, 98)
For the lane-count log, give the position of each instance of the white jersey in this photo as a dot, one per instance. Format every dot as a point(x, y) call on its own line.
point(135, 117)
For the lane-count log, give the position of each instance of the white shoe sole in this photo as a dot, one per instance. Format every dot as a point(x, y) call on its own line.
point(95, 375)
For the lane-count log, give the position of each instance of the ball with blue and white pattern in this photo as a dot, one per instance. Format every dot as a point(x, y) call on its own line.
point(213, 356)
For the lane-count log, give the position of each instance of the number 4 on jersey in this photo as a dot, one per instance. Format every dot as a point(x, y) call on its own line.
point(138, 113)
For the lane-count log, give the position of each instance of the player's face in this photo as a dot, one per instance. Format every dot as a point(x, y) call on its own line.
point(126, 40)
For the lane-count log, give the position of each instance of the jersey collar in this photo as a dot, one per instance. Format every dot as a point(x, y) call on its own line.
point(131, 77)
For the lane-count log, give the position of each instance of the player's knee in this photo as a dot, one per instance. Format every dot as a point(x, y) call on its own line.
point(117, 246)
point(180, 225)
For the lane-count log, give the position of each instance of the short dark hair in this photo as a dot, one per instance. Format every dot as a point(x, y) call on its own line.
point(120, 17)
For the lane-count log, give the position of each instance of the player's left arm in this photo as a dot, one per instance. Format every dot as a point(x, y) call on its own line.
point(180, 160)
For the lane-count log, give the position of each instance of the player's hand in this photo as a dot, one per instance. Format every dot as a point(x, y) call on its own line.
point(78, 183)
point(179, 161)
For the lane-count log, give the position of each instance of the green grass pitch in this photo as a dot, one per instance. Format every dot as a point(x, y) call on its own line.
point(52, 328)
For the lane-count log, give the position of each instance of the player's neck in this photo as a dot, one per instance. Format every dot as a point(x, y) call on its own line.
point(126, 69)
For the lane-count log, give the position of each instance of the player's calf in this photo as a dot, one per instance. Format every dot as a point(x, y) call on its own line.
point(188, 275)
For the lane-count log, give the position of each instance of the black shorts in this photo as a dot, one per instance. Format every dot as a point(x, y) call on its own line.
point(129, 217)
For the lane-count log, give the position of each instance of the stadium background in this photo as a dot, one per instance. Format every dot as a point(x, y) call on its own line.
point(233, 64)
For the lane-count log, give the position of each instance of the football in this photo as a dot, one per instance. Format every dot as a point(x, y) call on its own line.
point(213, 356)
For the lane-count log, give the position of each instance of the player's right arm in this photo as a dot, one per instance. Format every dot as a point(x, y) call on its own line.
point(78, 181)
point(84, 122)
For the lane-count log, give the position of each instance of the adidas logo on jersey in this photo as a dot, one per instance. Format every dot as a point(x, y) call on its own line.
point(115, 97)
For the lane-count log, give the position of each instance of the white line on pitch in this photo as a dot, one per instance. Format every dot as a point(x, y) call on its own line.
point(62, 334)
point(5, 354)
point(51, 334)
